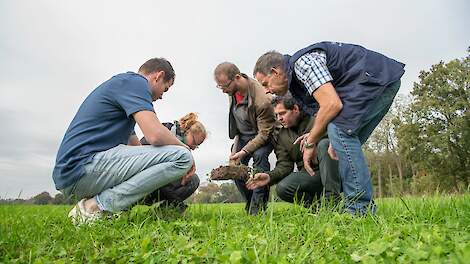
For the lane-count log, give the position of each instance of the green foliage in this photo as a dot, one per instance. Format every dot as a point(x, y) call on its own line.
point(383, 153)
point(423, 143)
point(42, 198)
point(411, 230)
point(435, 134)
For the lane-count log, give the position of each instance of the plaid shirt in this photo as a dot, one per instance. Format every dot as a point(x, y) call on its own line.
point(311, 70)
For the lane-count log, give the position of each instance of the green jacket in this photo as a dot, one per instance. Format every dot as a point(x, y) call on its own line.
point(286, 152)
point(261, 115)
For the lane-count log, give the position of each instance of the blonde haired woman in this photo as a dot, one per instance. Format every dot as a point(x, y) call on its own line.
point(191, 132)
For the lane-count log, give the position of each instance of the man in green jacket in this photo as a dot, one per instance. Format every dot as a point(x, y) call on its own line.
point(298, 186)
point(251, 122)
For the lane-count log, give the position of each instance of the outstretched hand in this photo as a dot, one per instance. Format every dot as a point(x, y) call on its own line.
point(259, 180)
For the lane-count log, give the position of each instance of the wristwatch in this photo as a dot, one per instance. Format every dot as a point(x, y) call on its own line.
point(309, 145)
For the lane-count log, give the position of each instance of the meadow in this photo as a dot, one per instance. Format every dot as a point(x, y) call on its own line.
point(433, 229)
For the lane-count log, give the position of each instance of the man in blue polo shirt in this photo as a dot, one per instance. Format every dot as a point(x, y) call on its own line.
point(350, 89)
point(100, 159)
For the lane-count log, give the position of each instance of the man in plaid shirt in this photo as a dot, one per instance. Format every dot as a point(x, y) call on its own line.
point(349, 88)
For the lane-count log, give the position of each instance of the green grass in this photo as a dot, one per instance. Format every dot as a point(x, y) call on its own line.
point(432, 229)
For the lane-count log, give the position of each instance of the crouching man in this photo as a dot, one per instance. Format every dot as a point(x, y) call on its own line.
point(94, 162)
point(299, 185)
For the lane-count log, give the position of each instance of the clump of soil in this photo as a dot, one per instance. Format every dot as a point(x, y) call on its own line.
point(231, 172)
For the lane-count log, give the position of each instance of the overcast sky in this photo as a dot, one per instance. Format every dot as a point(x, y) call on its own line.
point(54, 53)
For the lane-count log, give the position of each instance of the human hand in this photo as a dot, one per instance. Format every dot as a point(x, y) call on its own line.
point(237, 157)
point(302, 139)
point(188, 175)
point(259, 180)
point(332, 152)
point(310, 158)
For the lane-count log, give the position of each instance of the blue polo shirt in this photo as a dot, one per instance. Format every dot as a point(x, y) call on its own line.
point(103, 121)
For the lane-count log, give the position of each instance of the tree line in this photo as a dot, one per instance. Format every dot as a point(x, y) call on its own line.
point(423, 144)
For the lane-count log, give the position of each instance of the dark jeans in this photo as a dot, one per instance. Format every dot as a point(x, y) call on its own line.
point(257, 199)
point(301, 187)
point(173, 193)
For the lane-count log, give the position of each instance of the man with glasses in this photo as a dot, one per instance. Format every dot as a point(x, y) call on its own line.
point(350, 89)
point(251, 122)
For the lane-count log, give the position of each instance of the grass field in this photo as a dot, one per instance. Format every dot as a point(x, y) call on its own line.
point(428, 230)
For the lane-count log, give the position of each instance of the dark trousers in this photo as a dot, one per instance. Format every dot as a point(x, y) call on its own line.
point(173, 193)
point(301, 187)
point(257, 199)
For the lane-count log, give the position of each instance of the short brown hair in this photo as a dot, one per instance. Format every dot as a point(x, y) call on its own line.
point(156, 65)
point(286, 100)
point(267, 61)
point(228, 69)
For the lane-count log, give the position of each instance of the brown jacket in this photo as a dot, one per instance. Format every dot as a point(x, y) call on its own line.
point(260, 113)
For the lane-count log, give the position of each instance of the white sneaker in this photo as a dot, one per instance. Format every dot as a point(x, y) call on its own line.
point(79, 215)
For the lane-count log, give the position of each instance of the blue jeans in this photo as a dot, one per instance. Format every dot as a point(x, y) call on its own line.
point(353, 169)
point(121, 176)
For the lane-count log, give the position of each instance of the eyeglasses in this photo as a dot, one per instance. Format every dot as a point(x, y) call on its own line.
point(193, 146)
point(224, 86)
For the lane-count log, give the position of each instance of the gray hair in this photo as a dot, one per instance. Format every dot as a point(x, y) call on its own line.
point(267, 61)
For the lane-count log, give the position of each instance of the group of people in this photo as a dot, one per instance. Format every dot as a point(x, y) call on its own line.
point(314, 109)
